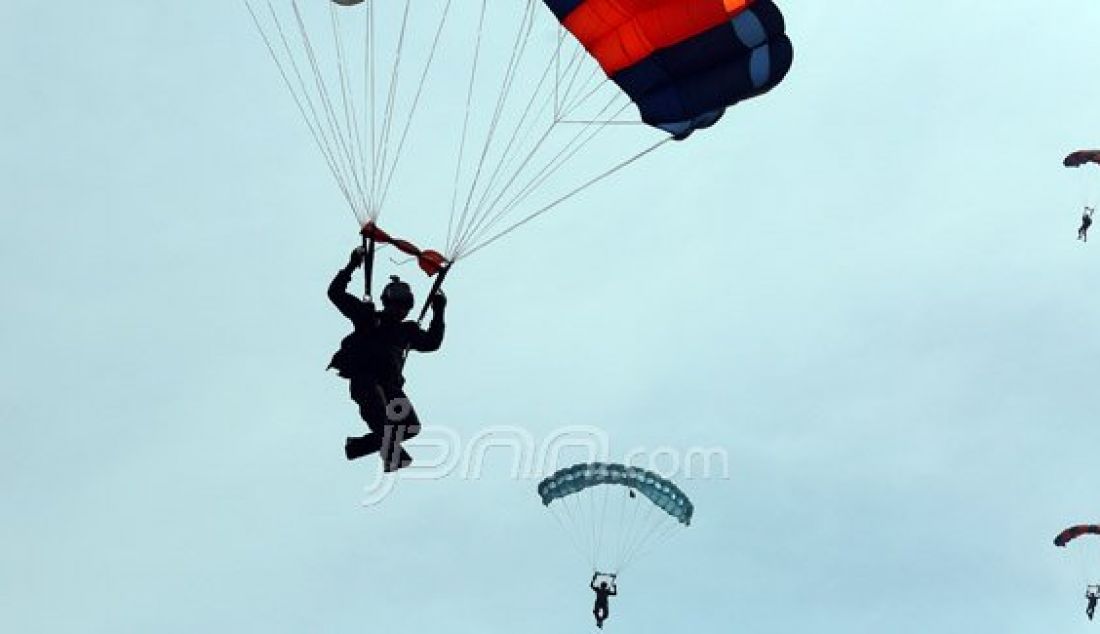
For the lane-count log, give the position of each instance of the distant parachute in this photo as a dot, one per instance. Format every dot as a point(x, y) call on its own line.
point(613, 513)
point(1073, 532)
point(1082, 157)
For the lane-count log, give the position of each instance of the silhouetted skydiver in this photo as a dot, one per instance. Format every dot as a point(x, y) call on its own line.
point(601, 610)
point(372, 358)
point(1092, 594)
point(1086, 222)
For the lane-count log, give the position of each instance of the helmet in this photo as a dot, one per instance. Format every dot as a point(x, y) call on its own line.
point(397, 294)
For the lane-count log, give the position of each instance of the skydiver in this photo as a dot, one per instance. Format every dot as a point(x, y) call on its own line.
point(601, 610)
point(1086, 222)
point(1092, 594)
point(372, 358)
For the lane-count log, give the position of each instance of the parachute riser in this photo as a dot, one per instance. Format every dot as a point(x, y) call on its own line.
point(368, 264)
point(436, 285)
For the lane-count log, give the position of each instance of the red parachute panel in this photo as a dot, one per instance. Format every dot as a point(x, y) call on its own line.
point(621, 33)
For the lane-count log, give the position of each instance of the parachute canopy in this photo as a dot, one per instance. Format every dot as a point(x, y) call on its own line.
point(683, 62)
point(666, 495)
point(476, 116)
point(1081, 157)
point(613, 512)
point(1073, 532)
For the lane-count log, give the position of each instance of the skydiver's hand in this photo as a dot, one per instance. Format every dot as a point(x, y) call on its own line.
point(355, 260)
point(439, 301)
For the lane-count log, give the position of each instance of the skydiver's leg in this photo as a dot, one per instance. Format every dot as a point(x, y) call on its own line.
point(402, 424)
point(371, 400)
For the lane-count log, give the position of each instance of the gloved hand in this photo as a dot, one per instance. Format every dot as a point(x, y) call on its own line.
point(355, 260)
point(439, 302)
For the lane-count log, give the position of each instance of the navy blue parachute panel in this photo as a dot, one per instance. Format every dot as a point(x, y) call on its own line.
point(682, 87)
point(683, 62)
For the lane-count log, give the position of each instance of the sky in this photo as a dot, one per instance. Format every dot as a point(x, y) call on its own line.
point(862, 288)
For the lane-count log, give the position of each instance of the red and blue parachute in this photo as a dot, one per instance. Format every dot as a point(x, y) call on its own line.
point(683, 62)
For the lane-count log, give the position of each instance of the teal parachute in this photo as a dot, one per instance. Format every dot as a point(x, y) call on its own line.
point(615, 513)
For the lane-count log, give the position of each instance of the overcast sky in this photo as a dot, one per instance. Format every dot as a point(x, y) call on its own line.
point(863, 287)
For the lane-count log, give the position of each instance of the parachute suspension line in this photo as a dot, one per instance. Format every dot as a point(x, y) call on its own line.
point(331, 117)
point(634, 528)
point(370, 88)
point(572, 69)
point(508, 158)
point(472, 231)
point(644, 541)
point(302, 99)
point(564, 510)
point(603, 516)
point(587, 497)
point(593, 506)
point(484, 212)
point(588, 96)
point(567, 152)
point(596, 79)
point(668, 531)
point(636, 501)
point(580, 529)
point(650, 528)
point(519, 47)
point(520, 135)
point(571, 88)
point(416, 102)
point(391, 99)
point(487, 219)
point(556, 513)
point(505, 165)
point(622, 521)
point(557, 74)
point(351, 117)
point(466, 122)
point(570, 149)
point(592, 181)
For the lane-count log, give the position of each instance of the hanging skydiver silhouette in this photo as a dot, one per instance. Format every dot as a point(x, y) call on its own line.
point(372, 359)
point(603, 591)
point(1086, 222)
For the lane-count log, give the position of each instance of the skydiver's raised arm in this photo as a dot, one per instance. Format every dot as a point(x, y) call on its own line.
point(431, 339)
point(348, 305)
